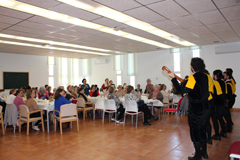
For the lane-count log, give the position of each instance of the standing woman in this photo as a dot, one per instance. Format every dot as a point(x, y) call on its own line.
point(60, 100)
point(18, 100)
point(105, 85)
point(32, 106)
point(85, 86)
point(219, 104)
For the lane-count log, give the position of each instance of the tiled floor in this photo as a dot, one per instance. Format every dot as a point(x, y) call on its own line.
point(167, 141)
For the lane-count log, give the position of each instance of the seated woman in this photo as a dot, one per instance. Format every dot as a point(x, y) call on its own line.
point(141, 106)
point(32, 106)
point(94, 92)
point(163, 90)
point(138, 89)
point(83, 95)
point(120, 109)
point(60, 100)
point(50, 94)
point(156, 95)
point(18, 100)
point(70, 93)
point(120, 92)
point(11, 97)
point(42, 94)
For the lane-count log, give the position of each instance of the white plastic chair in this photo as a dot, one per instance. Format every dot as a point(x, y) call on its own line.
point(110, 107)
point(100, 106)
point(67, 113)
point(1, 120)
point(132, 109)
point(25, 117)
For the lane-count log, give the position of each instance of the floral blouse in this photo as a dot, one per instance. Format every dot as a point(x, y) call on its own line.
point(116, 99)
point(131, 96)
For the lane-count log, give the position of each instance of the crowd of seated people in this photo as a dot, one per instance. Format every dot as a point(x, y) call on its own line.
point(65, 96)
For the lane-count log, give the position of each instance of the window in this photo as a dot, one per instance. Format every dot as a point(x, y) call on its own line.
point(196, 53)
point(76, 76)
point(51, 63)
point(86, 69)
point(131, 68)
point(177, 66)
point(132, 81)
point(117, 68)
point(64, 72)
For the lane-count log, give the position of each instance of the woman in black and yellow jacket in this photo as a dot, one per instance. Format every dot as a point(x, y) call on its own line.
point(219, 93)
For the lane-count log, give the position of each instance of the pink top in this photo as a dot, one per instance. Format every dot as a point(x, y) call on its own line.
point(18, 101)
point(155, 92)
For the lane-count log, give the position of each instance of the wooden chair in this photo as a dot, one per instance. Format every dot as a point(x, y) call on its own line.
point(25, 117)
point(132, 109)
point(1, 120)
point(82, 106)
point(67, 113)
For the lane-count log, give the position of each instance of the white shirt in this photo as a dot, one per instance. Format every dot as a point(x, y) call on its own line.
point(10, 99)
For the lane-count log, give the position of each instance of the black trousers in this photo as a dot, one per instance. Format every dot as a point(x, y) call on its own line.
point(121, 110)
point(3, 104)
point(208, 125)
point(147, 114)
point(33, 115)
point(217, 116)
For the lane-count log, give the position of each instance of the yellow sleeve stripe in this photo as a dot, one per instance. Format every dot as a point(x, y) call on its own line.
point(210, 83)
point(234, 86)
point(210, 96)
point(191, 82)
point(226, 88)
point(218, 87)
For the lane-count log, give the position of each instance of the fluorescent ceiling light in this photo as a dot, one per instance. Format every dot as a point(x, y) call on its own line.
point(73, 20)
point(6, 2)
point(123, 18)
point(54, 43)
point(140, 25)
point(112, 14)
point(53, 48)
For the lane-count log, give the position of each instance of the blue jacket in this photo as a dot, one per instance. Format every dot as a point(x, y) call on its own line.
point(86, 90)
point(60, 101)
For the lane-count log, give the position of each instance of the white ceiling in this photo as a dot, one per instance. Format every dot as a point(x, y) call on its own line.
point(202, 22)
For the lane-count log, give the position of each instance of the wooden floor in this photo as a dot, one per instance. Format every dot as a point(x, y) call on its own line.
point(167, 141)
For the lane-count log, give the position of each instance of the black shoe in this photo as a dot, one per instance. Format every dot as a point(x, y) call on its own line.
point(152, 117)
point(194, 158)
point(232, 123)
point(156, 118)
point(205, 155)
point(223, 134)
point(228, 129)
point(147, 123)
point(209, 141)
point(215, 137)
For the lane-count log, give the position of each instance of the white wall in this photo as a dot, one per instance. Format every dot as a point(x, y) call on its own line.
point(36, 66)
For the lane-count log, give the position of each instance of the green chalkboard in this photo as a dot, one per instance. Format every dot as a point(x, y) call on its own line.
point(15, 79)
